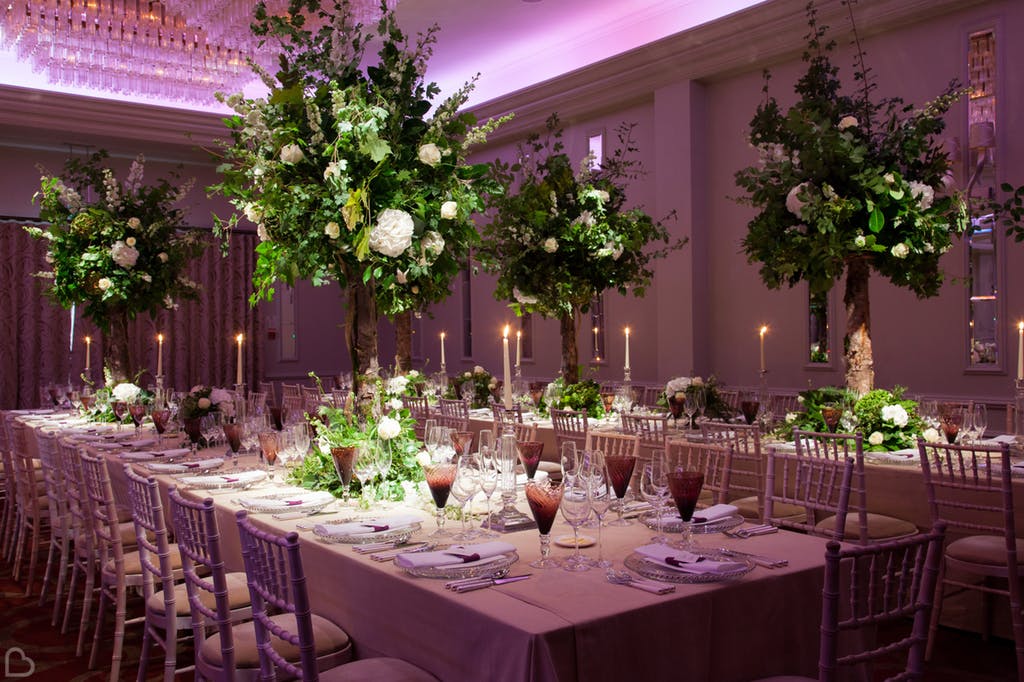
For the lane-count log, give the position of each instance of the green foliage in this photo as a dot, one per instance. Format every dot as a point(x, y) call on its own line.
point(124, 253)
point(480, 382)
point(583, 396)
point(812, 400)
point(714, 406)
point(341, 170)
point(887, 420)
point(841, 176)
point(563, 235)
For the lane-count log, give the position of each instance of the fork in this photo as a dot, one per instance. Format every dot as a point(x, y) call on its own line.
point(626, 578)
point(763, 561)
point(751, 531)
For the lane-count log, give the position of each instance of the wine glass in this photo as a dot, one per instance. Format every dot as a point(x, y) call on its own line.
point(749, 407)
point(300, 442)
point(440, 474)
point(676, 406)
point(344, 456)
point(575, 506)
point(365, 467)
point(831, 414)
point(465, 486)
point(951, 419)
point(488, 479)
point(620, 471)
point(269, 445)
point(137, 411)
point(544, 498)
point(462, 441)
point(233, 434)
point(690, 408)
point(119, 407)
point(602, 495)
point(654, 490)
point(980, 421)
point(160, 420)
point(529, 454)
point(685, 487)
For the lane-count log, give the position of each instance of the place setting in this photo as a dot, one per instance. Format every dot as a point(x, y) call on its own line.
point(385, 531)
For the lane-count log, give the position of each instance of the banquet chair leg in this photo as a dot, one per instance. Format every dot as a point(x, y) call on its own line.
point(47, 574)
point(933, 627)
point(90, 584)
point(19, 549)
point(70, 599)
point(147, 643)
point(62, 574)
point(986, 614)
point(33, 560)
point(98, 633)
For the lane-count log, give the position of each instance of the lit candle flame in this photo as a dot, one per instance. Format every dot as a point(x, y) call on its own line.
point(505, 333)
point(764, 328)
point(160, 338)
point(239, 339)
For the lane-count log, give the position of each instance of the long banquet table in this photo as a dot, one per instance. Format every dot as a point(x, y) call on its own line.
point(560, 625)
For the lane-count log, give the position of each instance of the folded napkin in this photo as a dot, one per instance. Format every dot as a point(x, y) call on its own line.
point(88, 438)
point(144, 443)
point(106, 445)
point(137, 456)
point(241, 477)
point(1004, 438)
point(299, 499)
point(378, 524)
point(456, 554)
point(178, 467)
point(172, 452)
point(685, 562)
point(714, 513)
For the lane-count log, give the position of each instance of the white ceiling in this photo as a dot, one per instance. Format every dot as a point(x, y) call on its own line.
point(512, 43)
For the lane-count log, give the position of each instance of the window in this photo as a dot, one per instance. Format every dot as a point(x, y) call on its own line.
point(817, 328)
point(597, 347)
point(595, 148)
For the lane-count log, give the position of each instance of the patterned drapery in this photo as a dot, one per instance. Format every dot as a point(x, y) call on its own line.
point(35, 344)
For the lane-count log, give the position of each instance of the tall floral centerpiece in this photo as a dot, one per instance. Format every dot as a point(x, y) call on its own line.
point(562, 235)
point(353, 176)
point(848, 184)
point(120, 253)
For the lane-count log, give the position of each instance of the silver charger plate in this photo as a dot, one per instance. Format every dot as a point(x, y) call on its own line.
point(273, 503)
point(676, 525)
point(492, 567)
point(398, 535)
point(648, 569)
point(225, 481)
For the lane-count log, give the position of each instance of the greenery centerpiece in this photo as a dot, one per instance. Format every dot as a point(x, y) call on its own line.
point(343, 173)
point(563, 236)
point(479, 385)
point(583, 396)
point(679, 388)
point(119, 254)
point(847, 184)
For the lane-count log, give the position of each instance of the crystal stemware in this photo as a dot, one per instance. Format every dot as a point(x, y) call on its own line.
point(120, 408)
point(462, 441)
point(980, 421)
point(749, 408)
point(685, 487)
point(530, 453)
point(675, 406)
point(620, 471)
point(233, 434)
point(831, 414)
point(488, 479)
point(690, 408)
point(269, 445)
point(951, 419)
point(575, 506)
point(654, 490)
point(602, 496)
point(440, 474)
point(137, 411)
point(160, 420)
point(544, 498)
point(344, 456)
point(465, 486)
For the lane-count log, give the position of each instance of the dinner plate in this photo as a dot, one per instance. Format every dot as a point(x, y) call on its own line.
point(491, 567)
point(675, 525)
point(397, 535)
point(232, 480)
point(648, 569)
point(305, 502)
point(567, 541)
point(170, 467)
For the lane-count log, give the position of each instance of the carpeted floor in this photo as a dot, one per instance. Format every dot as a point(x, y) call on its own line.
point(959, 657)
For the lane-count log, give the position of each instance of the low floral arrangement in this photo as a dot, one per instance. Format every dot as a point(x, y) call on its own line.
point(680, 387)
point(412, 383)
point(203, 400)
point(583, 396)
point(483, 384)
point(887, 419)
point(381, 423)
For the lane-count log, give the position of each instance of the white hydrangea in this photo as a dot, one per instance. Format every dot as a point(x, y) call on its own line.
point(219, 395)
point(895, 414)
point(291, 153)
point(388, 428)
point(397, 385)
point(392, 234)
point(252, 212)
point(449, 210)
point(423, 459)
point(124, 255)
point(126, 392)
point(678, 385)
point(925, 194)
point(876, 438)
point(550, 245)
point(395, 404)
point(433, 243)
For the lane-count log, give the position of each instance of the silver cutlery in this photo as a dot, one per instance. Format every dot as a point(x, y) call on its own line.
point(385, 546)
point(470, 584)
point(751, 531)
point(763, 561)
point(626, 578)
point(388, 555)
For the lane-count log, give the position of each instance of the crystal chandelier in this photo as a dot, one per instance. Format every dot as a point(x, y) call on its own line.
point(177, 50)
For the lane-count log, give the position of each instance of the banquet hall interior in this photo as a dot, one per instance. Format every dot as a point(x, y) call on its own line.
point(685, 78)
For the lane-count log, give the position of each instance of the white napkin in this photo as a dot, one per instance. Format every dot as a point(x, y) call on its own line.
point(484, 550)
point(366, 527)
point(144, 443)
point(89, 438)
point(687, 562)
point(714, 513)
point(179, 467)
point(137, 456)
point(299, 499)
point(107, 446)
point(172, 452)
point(242, 477)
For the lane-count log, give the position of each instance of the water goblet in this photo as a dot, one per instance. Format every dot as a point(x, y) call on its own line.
point(951, 419)
point(575, 506)
point(702, 402)
point(465, 486)
point(602, 495)
point(344, 457)
point(120, 408)
point(620, 471)
point(831, 414)
point(300, 436)
point(88, 400)
point(440, 474)
point(233, 434)
point(980, 421)
point(137, 411)
point(654, 490)
point(690, 408)
point(544, 498)
point(529, 455)
point(160, 420)
point(676, 407)
point(270, 446)
point(488, 480)
point(749, 407)
point(462, 441)
point(685, 487)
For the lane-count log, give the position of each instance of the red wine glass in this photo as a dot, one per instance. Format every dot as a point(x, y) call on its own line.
point(440, 475)
point(685, 488)
point(529, 454)
point(544, 498)
point(620, 471)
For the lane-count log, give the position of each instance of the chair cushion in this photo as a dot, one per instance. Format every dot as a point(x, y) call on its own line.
point(748, 508)
point(377, 670)
point(880, 527)
point(133, 564)
point(329, 638)
point(238, 597)
point(989, 550)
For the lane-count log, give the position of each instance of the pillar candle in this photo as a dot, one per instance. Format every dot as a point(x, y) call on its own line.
point(519, 348)
point(763, 330)
point(627, 348)
point(238, 370)
point(88, 352)
point(1020, 351)
point(506, 388)
point(159, 355)
point(442, 348)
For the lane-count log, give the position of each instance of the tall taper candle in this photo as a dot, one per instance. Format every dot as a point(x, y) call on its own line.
point(506, 387)
point(519, 348)
point(88, 353)
point(1020, 351)
point(442, 348)
point(159, 355)
point(627, 350)
point(238, 370)
point(764, 329)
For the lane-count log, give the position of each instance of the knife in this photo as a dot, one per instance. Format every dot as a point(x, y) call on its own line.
point(487, 582)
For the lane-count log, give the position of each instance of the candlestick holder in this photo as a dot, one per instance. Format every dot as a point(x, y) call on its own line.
point(627, 375)
point(519, 371)
point(160, 402)
point(508, 518)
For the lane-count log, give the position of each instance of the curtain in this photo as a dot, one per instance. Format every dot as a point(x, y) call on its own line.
point(199, 336)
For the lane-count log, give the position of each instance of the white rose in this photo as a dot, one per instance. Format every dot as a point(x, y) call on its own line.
point(332, 230)
point(394, 404)
point(397, 385)
point(847, 122)
point(130, 241)
point(449, 210)
point(253, 213)
point(126, 392)
point(522, 298)
point(392, 234)
point(900, 250)
point(219, 395)
point(134, 223)
point(550, 245)
point(429, 154)
point(291, 153)
point(124, 255)
point(876, 438)
point(895, 414)
point(793, 202)
point(163, 256)
point(931, 435)
point(860, 241)
point(433, 243)
point(388, 428)
point(925, 194)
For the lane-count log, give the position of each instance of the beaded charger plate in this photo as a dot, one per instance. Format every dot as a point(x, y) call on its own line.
point(675, 524)
point(398, 535)
point(656, 571)
point(491, 567)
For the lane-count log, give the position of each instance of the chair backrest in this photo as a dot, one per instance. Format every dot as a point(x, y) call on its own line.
point(198, 538)
point(651, 430)
point(713, 459)
point(26, 488)
point(819, 485)
point(868, 586)
point(840, 446)
point(731, 397)
point(969, 488)
point(290, 391)
point(783, 402)
point(103, 512)
point(746, 465)
point(53, 476)
point(569, 426)
point(151, 537)
point(615, 444)
point(504, 414)
point(256, 403)
point(6, 451)
point(273, 567)
point(522, 432)
point(418, 406)
point(453, 413)
point(267, 389)
point(79, 505)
